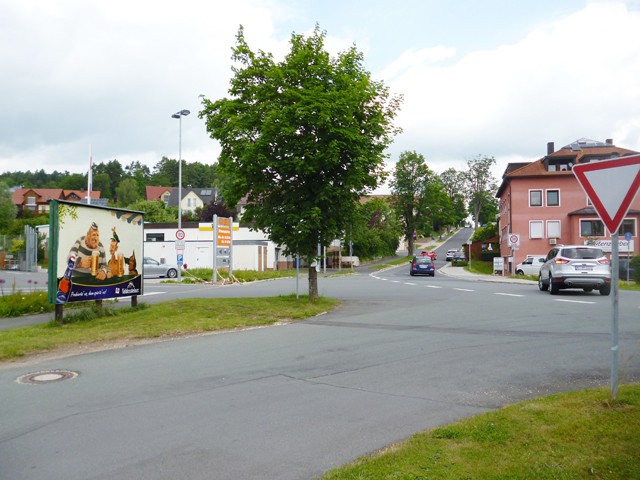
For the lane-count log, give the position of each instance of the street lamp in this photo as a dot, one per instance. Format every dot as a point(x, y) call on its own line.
point(179, 115)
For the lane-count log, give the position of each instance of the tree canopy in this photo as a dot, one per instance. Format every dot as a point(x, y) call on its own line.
point(302, 139)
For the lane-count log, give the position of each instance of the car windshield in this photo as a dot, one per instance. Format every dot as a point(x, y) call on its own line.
point(423, 261)
point(582, 253)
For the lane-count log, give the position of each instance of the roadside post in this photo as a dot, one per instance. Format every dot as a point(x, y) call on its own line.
point(611, 185)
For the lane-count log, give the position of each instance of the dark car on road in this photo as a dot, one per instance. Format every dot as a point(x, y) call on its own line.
point(458, 257)
point(422, 266)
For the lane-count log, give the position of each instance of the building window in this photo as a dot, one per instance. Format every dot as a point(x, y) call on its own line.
point(553, 229)
point(553, 198)
point(155, 237)
point(628, 226)
point(591, 228)
point(535, 198)
point(536, 229)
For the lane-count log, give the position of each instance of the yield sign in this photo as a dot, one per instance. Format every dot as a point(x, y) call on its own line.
point(611, 185)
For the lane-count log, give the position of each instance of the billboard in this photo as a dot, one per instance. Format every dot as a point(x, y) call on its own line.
point(95, 253)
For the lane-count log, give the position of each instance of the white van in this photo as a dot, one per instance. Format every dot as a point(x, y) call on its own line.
point(531, 266)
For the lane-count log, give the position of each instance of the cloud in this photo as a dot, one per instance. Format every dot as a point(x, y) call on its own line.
point(571, 78)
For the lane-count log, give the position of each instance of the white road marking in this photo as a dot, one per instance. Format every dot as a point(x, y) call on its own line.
point(464, 290)
point(508, 294)
point(152, 293)
point(409, 283)
point(433, 286)
point(573, 301)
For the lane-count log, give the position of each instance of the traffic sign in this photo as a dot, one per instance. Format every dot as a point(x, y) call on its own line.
point(180, 234)
point(180, 259)
point(514, 240)
point(611, 185)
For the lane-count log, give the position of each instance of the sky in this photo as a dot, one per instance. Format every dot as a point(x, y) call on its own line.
point(494, 78)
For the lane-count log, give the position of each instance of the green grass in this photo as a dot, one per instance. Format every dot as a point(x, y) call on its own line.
point(582, 435)
point(165, 320)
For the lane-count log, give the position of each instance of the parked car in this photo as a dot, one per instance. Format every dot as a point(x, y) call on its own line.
point(458, 257)
point(575, 266)
point(431, 254)
point(153, 268)
point(449, 256)
point(422, 265)
point(531, 266)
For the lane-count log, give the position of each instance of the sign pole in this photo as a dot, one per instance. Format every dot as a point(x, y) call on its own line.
point(614, 315)
point(215, 249)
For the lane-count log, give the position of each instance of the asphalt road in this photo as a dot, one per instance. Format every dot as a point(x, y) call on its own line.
point(289, 402)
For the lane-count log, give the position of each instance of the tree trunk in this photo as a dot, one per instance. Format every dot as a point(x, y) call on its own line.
point(313, 284)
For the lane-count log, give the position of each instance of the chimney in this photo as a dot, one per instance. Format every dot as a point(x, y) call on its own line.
point(609, 141)
point(550, 148)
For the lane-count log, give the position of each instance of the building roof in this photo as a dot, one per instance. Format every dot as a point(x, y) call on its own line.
point(582, 150)
point(155, 193)
point(47, 194)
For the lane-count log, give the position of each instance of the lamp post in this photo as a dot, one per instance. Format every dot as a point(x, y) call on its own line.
point(179, 115)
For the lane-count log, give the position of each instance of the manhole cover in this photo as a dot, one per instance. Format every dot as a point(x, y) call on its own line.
point(47, 376)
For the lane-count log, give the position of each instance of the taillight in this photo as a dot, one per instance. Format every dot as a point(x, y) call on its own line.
point(413, 265)
point(604, 261)
point(561, 260)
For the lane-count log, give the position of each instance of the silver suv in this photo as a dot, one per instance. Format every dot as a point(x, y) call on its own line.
point(575, 266)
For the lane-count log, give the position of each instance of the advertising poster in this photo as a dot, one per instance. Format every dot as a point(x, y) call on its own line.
point(96, 252)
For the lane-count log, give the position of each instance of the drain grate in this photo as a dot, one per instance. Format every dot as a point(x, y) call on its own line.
point(47, 376)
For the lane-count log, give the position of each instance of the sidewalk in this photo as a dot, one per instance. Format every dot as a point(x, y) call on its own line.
point(460, 272)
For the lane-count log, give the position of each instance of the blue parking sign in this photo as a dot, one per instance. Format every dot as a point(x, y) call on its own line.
point(180, 259)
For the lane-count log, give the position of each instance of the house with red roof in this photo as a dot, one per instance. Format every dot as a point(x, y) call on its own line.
point(544, 205)
point(37, 199)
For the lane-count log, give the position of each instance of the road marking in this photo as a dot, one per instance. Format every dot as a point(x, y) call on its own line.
point(409, 283)
point(433, 286)
point(573, 301)
point(464, 290)
point(508, 294)
point(152, 293)
point(395, 281)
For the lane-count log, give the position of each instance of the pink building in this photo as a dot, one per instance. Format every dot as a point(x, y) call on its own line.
point(544, 205)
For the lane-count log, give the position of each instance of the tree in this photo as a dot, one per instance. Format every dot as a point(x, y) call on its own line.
point(127, 192)
point(376, 230)
point(303, 139)
point(74, 181)
point(408, 190)
point(454, 184)
point(8, 210)
point(155, 211)
point(480, 183)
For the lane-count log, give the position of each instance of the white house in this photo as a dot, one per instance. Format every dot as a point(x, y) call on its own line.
point(250, 250)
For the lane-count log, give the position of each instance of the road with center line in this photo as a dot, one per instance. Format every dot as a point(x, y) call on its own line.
point(402, 354)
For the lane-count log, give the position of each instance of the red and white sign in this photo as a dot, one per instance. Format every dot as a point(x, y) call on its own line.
point(611, 185)
point(514, 240)
point(180, 234)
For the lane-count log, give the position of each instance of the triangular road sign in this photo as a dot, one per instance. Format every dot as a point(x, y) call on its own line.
point(611, 185)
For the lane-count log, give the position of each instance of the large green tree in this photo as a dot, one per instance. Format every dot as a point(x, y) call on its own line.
point(376, 230)
point(480, 184)
point(409, 186)
point(302, 139)
point(127, 192)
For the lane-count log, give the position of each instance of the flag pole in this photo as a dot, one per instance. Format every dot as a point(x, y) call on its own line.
point(89, 177)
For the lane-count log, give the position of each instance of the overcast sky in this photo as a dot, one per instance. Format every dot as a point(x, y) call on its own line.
point(494, 77)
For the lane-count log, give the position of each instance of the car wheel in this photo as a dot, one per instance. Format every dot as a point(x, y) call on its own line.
point(519, 272)
point(553, 288)
point(411, 273)
point(541, 285)
point(172, 273)
point(605, 290)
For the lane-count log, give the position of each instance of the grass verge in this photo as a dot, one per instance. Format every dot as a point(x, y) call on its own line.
point(582, 435)
point(163, 320)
